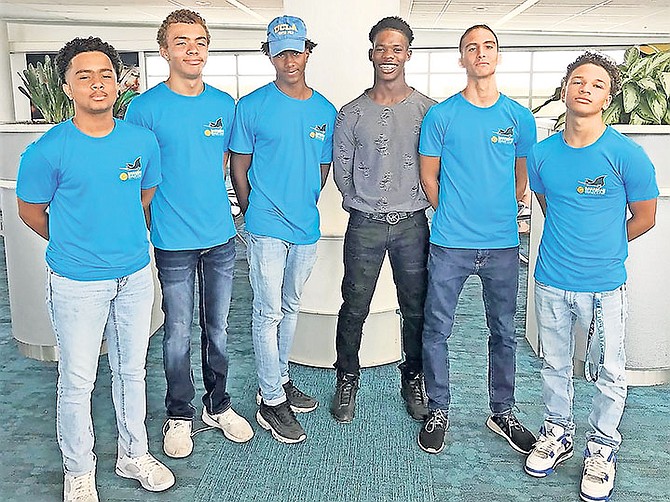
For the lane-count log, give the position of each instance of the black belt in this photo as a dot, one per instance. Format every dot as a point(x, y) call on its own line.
point(392, 217)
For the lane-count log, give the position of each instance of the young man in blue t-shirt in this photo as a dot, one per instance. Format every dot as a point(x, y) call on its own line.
point(281, 153)
point(82, 187)
point(589, 174)
point(192, 229)
point(473, 150)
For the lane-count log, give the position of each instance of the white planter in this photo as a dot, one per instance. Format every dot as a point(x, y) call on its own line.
point(24, 251)
point(648, 329)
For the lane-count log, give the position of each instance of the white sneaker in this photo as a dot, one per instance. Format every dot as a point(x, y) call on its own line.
point(80, 488)
point(552, 447)
point(151, 474)
point(234, 427)
point(177, 441)
point(598, 474)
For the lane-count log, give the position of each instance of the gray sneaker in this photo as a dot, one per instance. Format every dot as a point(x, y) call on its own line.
point(299, 401)
point(80, 488)
point(281, 422)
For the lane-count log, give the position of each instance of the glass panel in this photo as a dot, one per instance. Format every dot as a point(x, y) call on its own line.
point(544, 84)
point(224, 83)
point(444, 85)
point(419, 82)
point(418, 63)
point(254, 64)
point(220, 64)
point(554, 60)
point(514, 61)
point(249, 84)
point(156, 65)
point(444, 61)
point(522, 100)
point(553, 109)
point(154, 80)
point(514, 84)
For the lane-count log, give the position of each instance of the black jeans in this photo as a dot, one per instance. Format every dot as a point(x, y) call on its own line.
point(365, 245)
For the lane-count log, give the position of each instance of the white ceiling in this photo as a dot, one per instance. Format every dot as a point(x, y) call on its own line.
point(643, 17)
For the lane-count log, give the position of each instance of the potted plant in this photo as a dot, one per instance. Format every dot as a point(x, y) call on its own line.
point(641, 111)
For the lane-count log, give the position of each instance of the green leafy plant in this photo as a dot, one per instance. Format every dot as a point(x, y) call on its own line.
point(644, 97)
point(43, 88)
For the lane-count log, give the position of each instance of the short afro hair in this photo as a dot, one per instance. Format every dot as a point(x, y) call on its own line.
point(598, 59)
point(473, 28)
point(185, 16)
point(90, 44)
point(309, 47)
point(392, 23)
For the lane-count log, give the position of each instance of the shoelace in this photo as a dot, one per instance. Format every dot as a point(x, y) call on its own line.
point(83, 488)
point(346, 388)
point(416, 386)
point(437, 419)
point(285, 414)
point(294, 391)
point(596, 468)
point(146, 464)
point(179, 427)
point(545, 445)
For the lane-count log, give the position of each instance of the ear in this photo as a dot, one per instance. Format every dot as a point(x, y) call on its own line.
point(460, 61)
point(563, 94)
point(66, 90)
point(164, 54)
point(608, 102)
point(370, 54)
point(409, 54)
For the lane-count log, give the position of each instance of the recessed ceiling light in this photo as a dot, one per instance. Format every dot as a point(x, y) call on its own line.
point(203, 3)
point(480, 8)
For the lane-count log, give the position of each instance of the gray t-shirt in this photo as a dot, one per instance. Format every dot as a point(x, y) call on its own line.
point(375, 154)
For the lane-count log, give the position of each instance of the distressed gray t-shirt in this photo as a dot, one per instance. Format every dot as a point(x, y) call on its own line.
point(375, 154)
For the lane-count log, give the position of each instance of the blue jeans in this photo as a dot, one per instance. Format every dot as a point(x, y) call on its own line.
point(278, 271)
point(365, 245)
point(177, 272)
point(448, 270)
point(558, 312)
point(81, 312)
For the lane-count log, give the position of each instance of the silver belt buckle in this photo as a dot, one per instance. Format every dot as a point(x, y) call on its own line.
point(392, 218)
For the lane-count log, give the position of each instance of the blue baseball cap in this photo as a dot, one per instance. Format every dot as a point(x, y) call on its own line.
point(286, 33)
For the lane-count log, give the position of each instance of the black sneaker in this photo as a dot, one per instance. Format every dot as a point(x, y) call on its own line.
point(431, 436)
point(507, 426)
point(413, 392)
point(281, 422)
point(300, 402)
point(344, 401)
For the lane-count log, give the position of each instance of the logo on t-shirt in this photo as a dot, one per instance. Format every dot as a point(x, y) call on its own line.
point(214, 128)
point(503, 136)
point(132, 171)
point(318, 132)
point(594, 186)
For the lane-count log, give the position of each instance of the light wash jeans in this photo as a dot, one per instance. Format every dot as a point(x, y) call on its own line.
point(81, 311)
point(278, 271)
point(558, 312)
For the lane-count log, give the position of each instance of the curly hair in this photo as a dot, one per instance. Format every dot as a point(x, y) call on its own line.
point(91, 44)
point(309, 47)
point(180, 16)
point(598, 59)
point(473, 28)
point(392, 23)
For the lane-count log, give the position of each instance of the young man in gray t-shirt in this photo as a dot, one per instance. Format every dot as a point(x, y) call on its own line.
point(376, 167)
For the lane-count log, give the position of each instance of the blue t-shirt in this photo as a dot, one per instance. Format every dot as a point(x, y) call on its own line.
point(289, 139)
point(478, 148)
point(584, 242)
point(191, 209)
point(93, 187)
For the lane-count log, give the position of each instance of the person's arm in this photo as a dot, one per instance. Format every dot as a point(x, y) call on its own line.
point(430, 172)
point(325, 169)
point(643, 217)
point(35, 216)
point(344, 150)
point(239, 169)
point(226, 167)
point(146, 195)
point(542, 201)
point(521, 177)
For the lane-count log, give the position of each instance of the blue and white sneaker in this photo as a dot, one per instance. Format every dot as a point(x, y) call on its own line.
point(598, 474)
point(552, 447)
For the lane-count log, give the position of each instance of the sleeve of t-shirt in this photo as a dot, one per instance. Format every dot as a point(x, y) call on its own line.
point(134, 114)
point(230, 117)
point(639, 176)
point(242, 135)
point(343, 153)
point(37, 179)
point(536, 184)
point(152, 175)
point(527, 134)
point(327, 149)
point(432, 134)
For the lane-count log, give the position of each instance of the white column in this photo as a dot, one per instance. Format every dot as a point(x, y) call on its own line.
point(6, 91)
point(339, 69)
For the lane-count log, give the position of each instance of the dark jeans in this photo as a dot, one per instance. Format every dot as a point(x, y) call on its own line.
point(176, 272)
point(365, 245)
point(448, 269)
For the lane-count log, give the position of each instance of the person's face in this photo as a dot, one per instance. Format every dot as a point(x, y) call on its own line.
point(479, 53)
point(186, 50)
point(587, 90)
point(390, 51)
point(90, 82)
point(290, 66)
